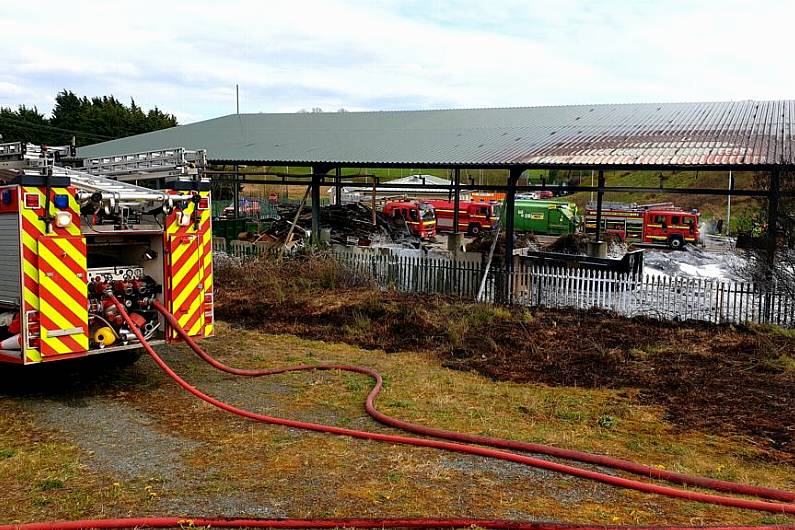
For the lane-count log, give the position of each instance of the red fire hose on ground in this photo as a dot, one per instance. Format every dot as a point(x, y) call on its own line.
point(454, 446)
point(182, 522)
point(568, 454)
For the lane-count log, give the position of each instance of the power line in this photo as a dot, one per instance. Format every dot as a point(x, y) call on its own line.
point(54, 128)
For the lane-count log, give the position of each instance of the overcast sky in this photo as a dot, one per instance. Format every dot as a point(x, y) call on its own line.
point(186, 57)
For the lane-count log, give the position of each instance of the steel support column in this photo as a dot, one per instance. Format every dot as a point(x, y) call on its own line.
point(510, 206)
point(315, 194)
point(456, 198)
point(772, 218)
point(509, 213)
point(338, 181)
point(236, 193)
point(600, 194)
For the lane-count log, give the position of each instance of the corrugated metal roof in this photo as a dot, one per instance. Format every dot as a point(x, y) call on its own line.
point(700, 134)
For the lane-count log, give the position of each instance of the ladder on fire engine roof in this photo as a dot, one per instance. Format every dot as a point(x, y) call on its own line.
point(607, 205)
point(32, 160)
point(169, 164)
point(123, 193)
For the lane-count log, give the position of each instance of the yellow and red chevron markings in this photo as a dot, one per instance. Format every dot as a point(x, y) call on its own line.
point(63, 301)
point(189, 272)
point(54, 269)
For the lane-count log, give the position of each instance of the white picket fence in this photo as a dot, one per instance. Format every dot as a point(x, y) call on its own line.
point(239, 249)
point(667, 298)
point(418, 274)
point(661, 297)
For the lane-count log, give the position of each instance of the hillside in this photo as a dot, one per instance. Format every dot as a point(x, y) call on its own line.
point(711, 206)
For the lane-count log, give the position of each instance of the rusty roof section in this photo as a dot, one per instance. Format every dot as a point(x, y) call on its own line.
point(742, 133)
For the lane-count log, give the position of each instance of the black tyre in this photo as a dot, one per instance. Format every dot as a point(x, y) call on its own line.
point(676, 242)
point(474, 229)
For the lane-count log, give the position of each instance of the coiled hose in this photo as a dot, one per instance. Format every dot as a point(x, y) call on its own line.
point(456, 446)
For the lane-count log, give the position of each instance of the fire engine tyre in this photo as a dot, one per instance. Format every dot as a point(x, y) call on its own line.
point(474, 229)
point(676, 242)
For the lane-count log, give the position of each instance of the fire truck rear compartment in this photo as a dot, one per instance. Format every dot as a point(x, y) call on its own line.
point(129, 267)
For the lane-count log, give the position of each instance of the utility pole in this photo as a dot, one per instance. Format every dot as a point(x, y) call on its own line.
point(237, 98)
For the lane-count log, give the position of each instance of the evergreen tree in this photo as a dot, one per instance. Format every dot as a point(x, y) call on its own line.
point(88, 120)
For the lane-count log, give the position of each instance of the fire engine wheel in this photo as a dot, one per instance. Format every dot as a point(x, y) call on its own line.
point(676, 242)
point(474, 229)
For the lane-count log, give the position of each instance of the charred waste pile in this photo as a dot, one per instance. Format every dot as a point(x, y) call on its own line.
point(345, 224)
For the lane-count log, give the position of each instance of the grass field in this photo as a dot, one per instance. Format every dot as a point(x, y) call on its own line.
point(216, 464)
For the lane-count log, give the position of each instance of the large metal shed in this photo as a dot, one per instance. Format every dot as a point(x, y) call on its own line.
point(741, 135)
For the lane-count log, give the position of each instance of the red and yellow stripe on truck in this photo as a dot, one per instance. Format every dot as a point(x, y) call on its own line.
point(189, 274)
point(54, 298)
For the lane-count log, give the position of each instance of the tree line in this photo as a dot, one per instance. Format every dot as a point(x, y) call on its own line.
point(88, 120)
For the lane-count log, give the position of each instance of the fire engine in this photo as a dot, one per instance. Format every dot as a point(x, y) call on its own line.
point(661, 223)
point(472, 216)
point(418, 216)
point(70, 240)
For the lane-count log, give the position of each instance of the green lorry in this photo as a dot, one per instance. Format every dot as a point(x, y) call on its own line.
point(544, 217)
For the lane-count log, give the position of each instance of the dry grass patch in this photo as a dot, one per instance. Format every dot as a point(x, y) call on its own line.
point(713, 379)
point(303, 474)
point(316, 475)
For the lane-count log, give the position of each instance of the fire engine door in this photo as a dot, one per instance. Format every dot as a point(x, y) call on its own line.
point(63, 300)
point(185, 281)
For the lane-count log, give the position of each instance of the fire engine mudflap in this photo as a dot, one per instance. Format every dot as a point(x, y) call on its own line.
point(71, 242)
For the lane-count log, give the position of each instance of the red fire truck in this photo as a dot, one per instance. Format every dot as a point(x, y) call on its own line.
point(661, 223)
point(72, 241)
point(418, 216)
point(472, 216)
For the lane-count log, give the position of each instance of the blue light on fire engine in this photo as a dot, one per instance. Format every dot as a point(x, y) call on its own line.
point(61, 201)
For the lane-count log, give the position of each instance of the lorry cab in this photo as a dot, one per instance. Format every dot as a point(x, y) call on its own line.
point(672, 227)
point(472, 216)
point(545, 217)
point(418, 216)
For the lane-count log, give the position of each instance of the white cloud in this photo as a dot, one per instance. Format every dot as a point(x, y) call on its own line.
point(186, 56)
